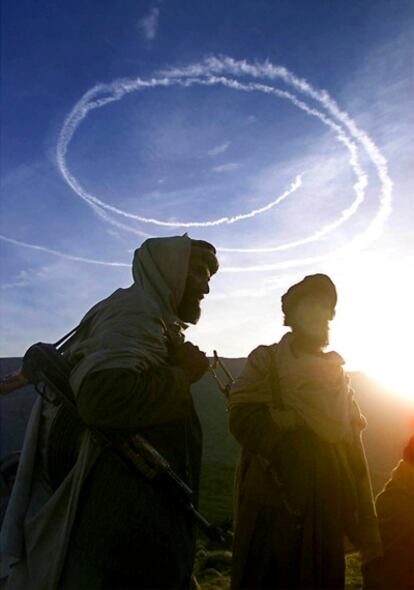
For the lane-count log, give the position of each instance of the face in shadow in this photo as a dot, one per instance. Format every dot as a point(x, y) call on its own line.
point(310, 321)
point(196, 287)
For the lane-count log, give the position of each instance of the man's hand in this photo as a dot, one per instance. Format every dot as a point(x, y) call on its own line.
point(12, 382)
point(190, 359)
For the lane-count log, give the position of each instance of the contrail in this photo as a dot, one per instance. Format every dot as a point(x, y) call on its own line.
point(267, 70)
point(230, 269)
point(214, 71)
point(62, 254)
point(119, 88)
point(104, 215)
point(359, 186)
point(323, 231)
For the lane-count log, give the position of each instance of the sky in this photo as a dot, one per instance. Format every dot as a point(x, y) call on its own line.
point(280, 131)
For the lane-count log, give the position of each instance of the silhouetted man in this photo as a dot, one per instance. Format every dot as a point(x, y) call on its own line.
point(302, 482)
point(96, 524)
point(395, 507)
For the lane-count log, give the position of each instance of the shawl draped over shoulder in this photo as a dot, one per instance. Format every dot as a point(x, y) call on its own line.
point(314, 403)
point(129, 329)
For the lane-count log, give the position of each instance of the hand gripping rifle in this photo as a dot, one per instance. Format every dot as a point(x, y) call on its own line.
point(47, 369)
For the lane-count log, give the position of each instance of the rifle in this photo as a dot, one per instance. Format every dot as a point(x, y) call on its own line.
point(46, 368)
point(218, 363)
point(225, 388)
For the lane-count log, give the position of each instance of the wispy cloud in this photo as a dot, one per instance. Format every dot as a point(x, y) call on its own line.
point(60, 254)
point(219, 149)
point(229, 167)
point(21, 280)
point(148, 24)
point(34, 316)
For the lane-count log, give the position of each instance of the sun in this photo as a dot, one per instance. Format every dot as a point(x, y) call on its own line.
point(395, 377)
point(374, 329)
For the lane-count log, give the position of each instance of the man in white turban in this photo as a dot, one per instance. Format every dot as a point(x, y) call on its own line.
point(302, 485)
point(78, 518)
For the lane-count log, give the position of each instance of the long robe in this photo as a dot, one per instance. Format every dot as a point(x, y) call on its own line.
point(128, 332)
point(297, 495)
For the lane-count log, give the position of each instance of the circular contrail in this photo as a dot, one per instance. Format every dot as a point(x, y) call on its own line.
point(116, 91)
point(119, 88)
point(231, 74)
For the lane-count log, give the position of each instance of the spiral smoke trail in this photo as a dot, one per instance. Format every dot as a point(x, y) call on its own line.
point(230, 73)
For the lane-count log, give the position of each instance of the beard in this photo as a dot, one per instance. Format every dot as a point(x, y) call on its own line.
point(312, 341)
point(189, 309)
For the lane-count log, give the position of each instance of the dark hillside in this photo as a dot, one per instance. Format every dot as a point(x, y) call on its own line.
point(14, 410)
point(388, 427)
point(384, 437)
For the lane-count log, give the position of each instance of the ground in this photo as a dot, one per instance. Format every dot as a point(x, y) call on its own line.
point(213, 570)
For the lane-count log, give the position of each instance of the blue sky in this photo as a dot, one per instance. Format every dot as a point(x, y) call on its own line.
point(279, 129)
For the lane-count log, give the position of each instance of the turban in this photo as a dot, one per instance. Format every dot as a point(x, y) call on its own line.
point(314, 284)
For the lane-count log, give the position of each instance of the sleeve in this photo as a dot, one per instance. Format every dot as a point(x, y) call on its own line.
point(253, 422)
point(119, 339)
point(125, 399)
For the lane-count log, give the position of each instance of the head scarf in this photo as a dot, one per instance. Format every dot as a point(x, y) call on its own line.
point(130, 328)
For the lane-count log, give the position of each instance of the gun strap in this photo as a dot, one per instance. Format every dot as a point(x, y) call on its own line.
point(278, 402)
point(128, 450)
point(66, 336)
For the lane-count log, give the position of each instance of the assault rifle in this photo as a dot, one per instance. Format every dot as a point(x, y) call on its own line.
point(47, 369)
point(225, 388)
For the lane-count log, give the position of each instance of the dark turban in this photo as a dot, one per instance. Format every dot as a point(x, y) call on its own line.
point(206, 252)
point(314, 284)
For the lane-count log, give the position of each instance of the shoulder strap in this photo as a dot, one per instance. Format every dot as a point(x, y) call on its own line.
point(67, 337)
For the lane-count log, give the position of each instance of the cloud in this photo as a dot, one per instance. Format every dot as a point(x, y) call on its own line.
point(21, 280)
point(61, 254)
point(148, 25)
point(219, 149)
point(58, 295)
point(229, 167)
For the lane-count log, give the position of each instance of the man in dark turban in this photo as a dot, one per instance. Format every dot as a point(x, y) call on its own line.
point(99, 525)
point(302, 483)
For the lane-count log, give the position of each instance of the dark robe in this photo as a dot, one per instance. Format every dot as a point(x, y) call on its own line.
point(131, 529)
point(295, 506)
point(395, 507)
point(276, 548)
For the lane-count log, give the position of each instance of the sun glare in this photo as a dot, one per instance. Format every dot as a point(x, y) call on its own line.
point(373, 331)
point(390, 368)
